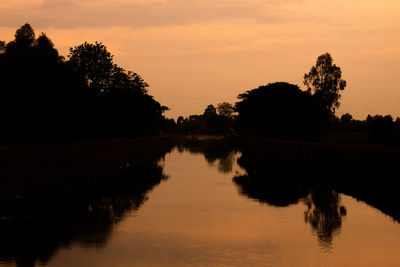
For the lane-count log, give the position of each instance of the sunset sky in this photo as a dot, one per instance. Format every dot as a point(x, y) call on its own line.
point(199, 52)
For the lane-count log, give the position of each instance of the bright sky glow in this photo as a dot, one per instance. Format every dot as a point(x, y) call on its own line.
point(200, 52)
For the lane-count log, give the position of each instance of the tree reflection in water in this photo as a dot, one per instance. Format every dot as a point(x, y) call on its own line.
point(270, 180)
point(214, 151)
point(324, 213)
point(87, 220)
point(279, 174)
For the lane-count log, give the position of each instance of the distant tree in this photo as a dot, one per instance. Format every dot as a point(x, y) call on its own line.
point(279, 110)
point(2, 47)
point(225, 109)
point(346, 118)
point(381, 129)
point(325, 81)
point(180, 120)
point(46, 51)
point(210, 111)
point(25, 35)
point(210, 122)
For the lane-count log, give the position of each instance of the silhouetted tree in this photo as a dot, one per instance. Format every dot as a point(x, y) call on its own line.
point(210, 122)
point(346, 118)
point(210, 111)
point(2, 47)
point(44, 97)
point(325, 81)
point(180, 120)
point(382, 129)
point(25, 36)
point(35, 94)
point(346, 122)
point(94, 63)
point(279, 110)
point(118, 101)
point(225, 109)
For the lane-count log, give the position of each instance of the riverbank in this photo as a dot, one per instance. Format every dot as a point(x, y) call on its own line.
point(34, 176)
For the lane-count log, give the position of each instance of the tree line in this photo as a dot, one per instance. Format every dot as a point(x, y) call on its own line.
point(45, 96)
point(282, 110)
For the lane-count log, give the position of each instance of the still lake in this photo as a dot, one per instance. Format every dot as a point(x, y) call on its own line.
point(198, 216)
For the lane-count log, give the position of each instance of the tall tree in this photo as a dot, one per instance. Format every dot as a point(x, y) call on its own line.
point(325, 81)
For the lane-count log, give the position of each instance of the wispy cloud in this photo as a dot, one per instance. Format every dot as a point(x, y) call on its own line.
point(140, 13)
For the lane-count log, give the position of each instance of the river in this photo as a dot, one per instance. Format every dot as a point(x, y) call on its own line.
point(199, 215)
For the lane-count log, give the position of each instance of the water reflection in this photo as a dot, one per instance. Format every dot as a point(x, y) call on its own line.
point(323, 209)
point(276, 184)
point(273, 176)
point(87, 220)
point(215, 151)
point(325, 214)
point(282, 174)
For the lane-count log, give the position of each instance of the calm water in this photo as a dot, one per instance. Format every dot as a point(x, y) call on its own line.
point(199, 216)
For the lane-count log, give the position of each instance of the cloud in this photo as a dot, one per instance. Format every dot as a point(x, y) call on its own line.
point(141, 13)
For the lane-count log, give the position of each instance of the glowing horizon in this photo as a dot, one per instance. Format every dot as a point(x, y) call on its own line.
point(195, 53)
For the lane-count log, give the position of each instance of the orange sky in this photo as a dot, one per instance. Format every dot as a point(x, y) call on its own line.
point(200, 52)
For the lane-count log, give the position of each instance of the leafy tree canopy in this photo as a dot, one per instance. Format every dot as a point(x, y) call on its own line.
point(276, 110)
point(94, 63)
point(325, 81)
point(44, 96)
point(210, 111)
point(225, 109)
point(25, 35)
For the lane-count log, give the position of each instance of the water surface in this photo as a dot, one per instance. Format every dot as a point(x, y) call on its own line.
point(199, 215)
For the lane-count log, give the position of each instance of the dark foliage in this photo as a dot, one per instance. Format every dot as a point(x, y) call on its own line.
point(325, 81)
point(43, 97)
point(279, 110)
point(282, 110)
point(382, 129)
point(220, 120)
point(375, 129)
